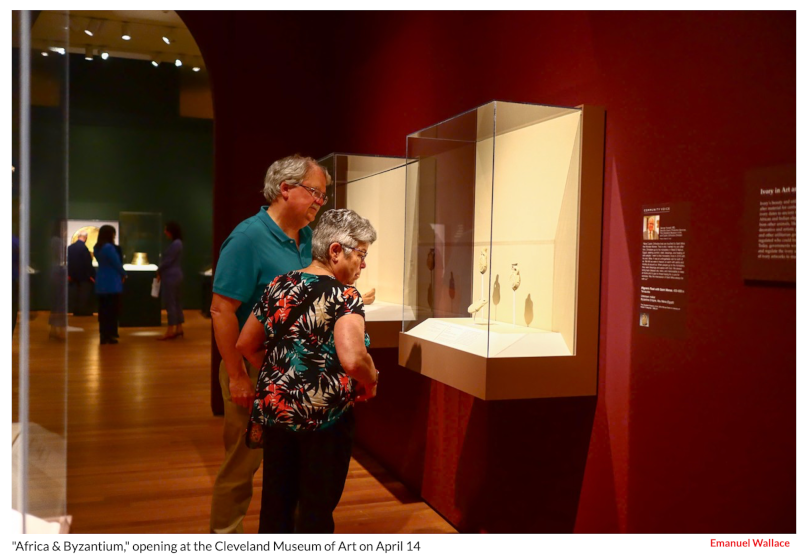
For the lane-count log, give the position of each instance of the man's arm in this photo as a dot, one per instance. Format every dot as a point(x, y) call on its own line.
point(251, 341)
point(226, 332)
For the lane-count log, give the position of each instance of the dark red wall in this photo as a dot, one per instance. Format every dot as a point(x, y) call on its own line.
point(689, 435)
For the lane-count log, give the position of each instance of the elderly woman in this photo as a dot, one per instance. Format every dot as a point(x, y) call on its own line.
point(314, 367)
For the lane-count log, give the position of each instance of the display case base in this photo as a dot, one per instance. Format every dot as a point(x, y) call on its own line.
point(385, 321)
point(495, 378)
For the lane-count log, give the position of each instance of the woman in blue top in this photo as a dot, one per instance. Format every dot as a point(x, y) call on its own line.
point(108, 284)
point(171, 276)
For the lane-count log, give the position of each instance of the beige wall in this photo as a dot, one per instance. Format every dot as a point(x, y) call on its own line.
point(381, 199)
point(531, 218)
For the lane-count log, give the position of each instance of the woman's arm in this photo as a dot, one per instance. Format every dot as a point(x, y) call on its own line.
point(251, 341)
point(170, 256)
point(357, 363)
point(113, 257)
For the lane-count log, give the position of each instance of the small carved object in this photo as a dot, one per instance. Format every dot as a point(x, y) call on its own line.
point(514, 277)
point(431, 259)
point(477, 306)
point(482, 262)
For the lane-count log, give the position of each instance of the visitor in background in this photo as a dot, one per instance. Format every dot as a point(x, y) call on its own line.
point(171, 276)
point(81, 274)
point(108, 285)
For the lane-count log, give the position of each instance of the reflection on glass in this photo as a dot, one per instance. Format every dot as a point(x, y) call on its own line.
point(40, 328)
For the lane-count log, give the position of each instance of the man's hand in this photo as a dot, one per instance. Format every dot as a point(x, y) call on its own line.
point(242, 392)
point(368, 297)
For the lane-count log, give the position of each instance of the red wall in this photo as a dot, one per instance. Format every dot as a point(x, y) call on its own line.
point(689, 435)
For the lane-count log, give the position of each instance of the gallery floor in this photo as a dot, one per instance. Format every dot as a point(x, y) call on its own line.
point(143, 447)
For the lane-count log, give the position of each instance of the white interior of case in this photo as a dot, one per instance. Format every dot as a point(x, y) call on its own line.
point(526, 212)
point(381, 199)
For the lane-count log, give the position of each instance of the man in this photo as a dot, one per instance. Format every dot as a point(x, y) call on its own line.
point(274, 241)
point(651, 234)
point(81, 274)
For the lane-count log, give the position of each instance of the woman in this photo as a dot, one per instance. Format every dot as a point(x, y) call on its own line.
point(314, 367)
point(171, 276)
point(108, 284)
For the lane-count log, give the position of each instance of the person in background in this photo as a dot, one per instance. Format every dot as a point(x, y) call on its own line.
point(171, 276)
point(273, 242)
point(314, 368)
point(81, 274)
point(108, 285)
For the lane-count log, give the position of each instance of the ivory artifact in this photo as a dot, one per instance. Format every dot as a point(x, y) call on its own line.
point(514, 277)
point(482, 261)
point(477, 306)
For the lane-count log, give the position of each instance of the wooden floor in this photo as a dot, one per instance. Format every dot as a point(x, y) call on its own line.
point(142, 446)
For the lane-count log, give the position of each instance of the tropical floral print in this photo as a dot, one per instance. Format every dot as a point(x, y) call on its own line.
point(301, 385)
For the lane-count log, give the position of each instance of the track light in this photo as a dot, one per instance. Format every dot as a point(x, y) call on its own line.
point(104, 55)
point(126, 31)
point(89, 53)
point(93, 28)
point(59, 50)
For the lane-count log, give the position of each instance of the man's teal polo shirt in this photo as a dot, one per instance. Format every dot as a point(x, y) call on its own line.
point(257, 251)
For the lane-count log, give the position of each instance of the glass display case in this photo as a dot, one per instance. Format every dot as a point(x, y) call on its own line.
point(40, 109)
point(374, 187)
point(502, 250)
point(141, 237)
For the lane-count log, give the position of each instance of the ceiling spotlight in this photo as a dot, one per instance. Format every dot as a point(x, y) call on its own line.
point(167, 37)
point(156, 59)
point(45, 53)
point(195, 69)
point(104, 55)
point(126, 31)
point(93, 27)
point(178, 62)
point(59, 50)
point(89, 53)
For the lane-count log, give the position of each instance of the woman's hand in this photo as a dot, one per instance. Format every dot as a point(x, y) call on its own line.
point(366, 392)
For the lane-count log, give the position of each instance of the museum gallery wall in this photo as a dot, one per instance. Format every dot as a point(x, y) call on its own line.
point(692, 430)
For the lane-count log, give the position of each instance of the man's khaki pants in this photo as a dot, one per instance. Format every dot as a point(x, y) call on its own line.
point(233, 488)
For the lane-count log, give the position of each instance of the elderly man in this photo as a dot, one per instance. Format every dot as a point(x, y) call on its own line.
point(81, 274)
point(651, 233)
point(273, 242)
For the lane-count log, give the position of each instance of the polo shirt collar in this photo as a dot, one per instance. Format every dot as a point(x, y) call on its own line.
point(280, 235)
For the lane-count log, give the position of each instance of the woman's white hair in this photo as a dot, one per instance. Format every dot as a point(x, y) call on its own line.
point(292, 169)
point(340, 226)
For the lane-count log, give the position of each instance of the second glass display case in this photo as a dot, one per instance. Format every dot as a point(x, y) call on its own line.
point(502, 250)
point(374, 187)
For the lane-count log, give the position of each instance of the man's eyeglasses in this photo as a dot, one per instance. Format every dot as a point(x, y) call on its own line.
point(361, 252)
point(319, 196)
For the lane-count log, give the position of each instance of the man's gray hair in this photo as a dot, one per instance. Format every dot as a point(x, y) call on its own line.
point(292, 169)
point(340, 226)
